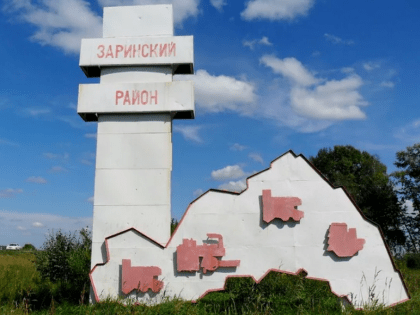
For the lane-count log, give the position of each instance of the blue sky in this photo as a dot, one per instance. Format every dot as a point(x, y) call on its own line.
point(270, 75)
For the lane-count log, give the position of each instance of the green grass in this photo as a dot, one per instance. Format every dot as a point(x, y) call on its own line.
point(22, 292)
point(277, 293)
point(17, 274)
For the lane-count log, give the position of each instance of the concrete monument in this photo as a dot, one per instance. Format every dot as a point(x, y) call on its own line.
point(289, 219)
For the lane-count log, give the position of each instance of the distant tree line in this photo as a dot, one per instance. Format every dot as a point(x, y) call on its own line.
point(390, 200)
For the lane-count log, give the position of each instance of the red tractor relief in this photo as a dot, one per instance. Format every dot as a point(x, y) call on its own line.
point(283, 208)
point(140, 278)
point(188, 255)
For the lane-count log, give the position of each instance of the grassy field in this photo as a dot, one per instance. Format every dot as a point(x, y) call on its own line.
point(22, 292)
point(17, 275)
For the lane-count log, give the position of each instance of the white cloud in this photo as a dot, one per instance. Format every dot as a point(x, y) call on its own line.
point(369, 66)
point(183, 9)
point(251, 43)
point(238, 147)
point(237, 186)
point(36, 179)
point(50, 155)
point(410, 133)
point(218, 4)
point(72, 106)
point(91, 135)
point(337, 40)
point(277, 110)
point(198, 192)
point(290, 68)
point(369, 146)
point(334, 100)
point(347, 70)
point(10, 192)
point(228, 172)
point(264, 41)
point(7, 142)
point(58, 23)
point(73, 121)
point(256, 157)
point(387, 84)
point(58, 169)
point(38, 111)
point(276, 9)
point(189, 132)
point(220, 93)
point(54, 156)
point(315, 98)
point(37, 224)
point(90, 200)
point(88, 158)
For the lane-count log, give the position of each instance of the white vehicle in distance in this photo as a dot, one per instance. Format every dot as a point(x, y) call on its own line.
point(13, 246)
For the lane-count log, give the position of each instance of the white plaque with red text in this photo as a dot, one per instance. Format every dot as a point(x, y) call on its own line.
point(125, 51)
point(136, 98)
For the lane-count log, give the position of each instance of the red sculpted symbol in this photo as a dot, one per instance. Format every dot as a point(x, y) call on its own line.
point(188, 255)
point(342, 242)
point(283, 208)
point(140, 278)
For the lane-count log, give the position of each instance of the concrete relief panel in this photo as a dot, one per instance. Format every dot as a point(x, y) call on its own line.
point(244, 245)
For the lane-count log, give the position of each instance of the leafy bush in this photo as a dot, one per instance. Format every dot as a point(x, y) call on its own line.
point(29, 247)
point(413, 261)
point(65, 260)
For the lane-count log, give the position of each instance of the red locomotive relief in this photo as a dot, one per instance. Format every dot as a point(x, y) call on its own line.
point(188, 255)
point(283, 208)
point(342, 242)
point(140, 278)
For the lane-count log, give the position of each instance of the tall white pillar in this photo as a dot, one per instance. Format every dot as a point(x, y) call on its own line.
point(134, 105)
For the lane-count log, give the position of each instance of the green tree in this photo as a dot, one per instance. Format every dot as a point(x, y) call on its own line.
point(366, 179)
point(407, 180)
point(174, 224)
point(29, 247)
